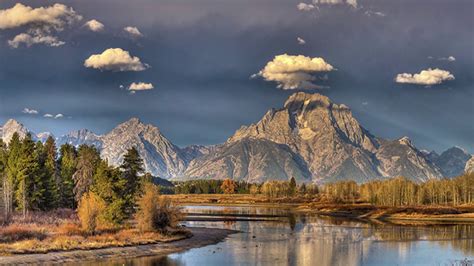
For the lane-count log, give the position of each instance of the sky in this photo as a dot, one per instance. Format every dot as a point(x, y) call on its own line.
point(199, 69)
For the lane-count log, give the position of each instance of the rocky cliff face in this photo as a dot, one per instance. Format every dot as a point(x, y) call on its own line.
point(251, 160)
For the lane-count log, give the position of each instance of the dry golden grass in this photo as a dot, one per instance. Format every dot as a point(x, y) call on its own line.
point(64, 232)
point(71, 237)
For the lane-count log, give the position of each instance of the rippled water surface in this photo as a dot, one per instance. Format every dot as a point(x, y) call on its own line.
point(275, 236)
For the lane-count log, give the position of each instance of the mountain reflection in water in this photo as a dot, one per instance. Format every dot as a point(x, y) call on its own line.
point(275, 236)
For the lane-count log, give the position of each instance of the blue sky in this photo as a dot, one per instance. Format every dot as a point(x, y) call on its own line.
point(199, 55)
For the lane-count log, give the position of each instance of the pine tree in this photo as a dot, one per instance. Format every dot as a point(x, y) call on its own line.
point(87, 161)
point(3, 177)
point(52, 180)
point(67, 166)
point(27, 169)
point(292, 186)
point(131, 167)
point(11, 171)
point(38, 189)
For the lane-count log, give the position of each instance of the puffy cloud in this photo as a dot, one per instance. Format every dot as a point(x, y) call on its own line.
point(48, 115)
point(133, 31)
point(58, 116)
point(30, 111)
point(294, 71)
point(55, 16)
point(352, 3)
point(141, 86)
point(300, 40)
point(305, 7)
point(425, 77)
point(40, 23)
point(94, 25)
point(115, 59)
point(29, 40)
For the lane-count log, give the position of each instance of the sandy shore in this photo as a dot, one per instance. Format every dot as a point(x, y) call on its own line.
point(201, 237)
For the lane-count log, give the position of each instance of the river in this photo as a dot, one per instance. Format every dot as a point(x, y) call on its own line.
point(279, 236)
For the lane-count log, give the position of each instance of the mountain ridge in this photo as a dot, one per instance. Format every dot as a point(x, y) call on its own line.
point(310, 138)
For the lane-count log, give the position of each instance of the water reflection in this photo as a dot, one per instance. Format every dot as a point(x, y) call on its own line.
point(287, 238)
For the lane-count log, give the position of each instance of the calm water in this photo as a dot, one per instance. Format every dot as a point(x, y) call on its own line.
point(284, 238)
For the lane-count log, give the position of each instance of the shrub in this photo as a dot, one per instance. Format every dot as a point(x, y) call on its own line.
point(156, 212)
point(17, 232)
point(229, 186)
point(90, 211)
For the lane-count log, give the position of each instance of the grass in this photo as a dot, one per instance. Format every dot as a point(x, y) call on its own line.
point(60, 231)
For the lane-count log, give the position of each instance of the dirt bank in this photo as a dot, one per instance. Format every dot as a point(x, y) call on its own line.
point(201, 237)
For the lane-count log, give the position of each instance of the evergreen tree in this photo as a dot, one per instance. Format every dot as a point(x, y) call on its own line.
point(28, 167)
point(52, 180)
point(67, 166)
point(12, 172)
point(3, 176)
point(292, 186)
point(131, 167)
point(38, 189)
point(87, 161)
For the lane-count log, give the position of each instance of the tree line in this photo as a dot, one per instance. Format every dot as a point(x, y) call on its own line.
point(398, 191)
point(36, 177)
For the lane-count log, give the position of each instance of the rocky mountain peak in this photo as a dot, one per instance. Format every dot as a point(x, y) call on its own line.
point(10, 127)
point(405, 141)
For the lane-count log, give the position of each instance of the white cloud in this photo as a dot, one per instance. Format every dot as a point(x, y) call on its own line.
point(133, 31)
point(94, 25)
point(449, 58)
point(140, 86)
point(301, 41)
point(29, 40)
point(58, 116)
point(115, 59)
point(294, 71)
point(30, 111)
point(40, 23)
point(305, 7)
point(55, 16)
point(425, 77)
point(352, 3)
point(370, 13)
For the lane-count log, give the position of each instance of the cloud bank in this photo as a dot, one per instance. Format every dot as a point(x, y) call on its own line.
point(294, 71)
point(352, 3)
point(116, 60)
point(425, 77)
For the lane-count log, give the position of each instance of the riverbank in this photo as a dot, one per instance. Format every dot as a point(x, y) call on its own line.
point(464, 213)
point(200, 237)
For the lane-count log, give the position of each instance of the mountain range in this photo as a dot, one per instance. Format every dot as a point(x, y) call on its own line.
point(309, 138)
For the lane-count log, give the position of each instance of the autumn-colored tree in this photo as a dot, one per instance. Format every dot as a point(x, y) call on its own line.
point(228, 186)
point(90, 211)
